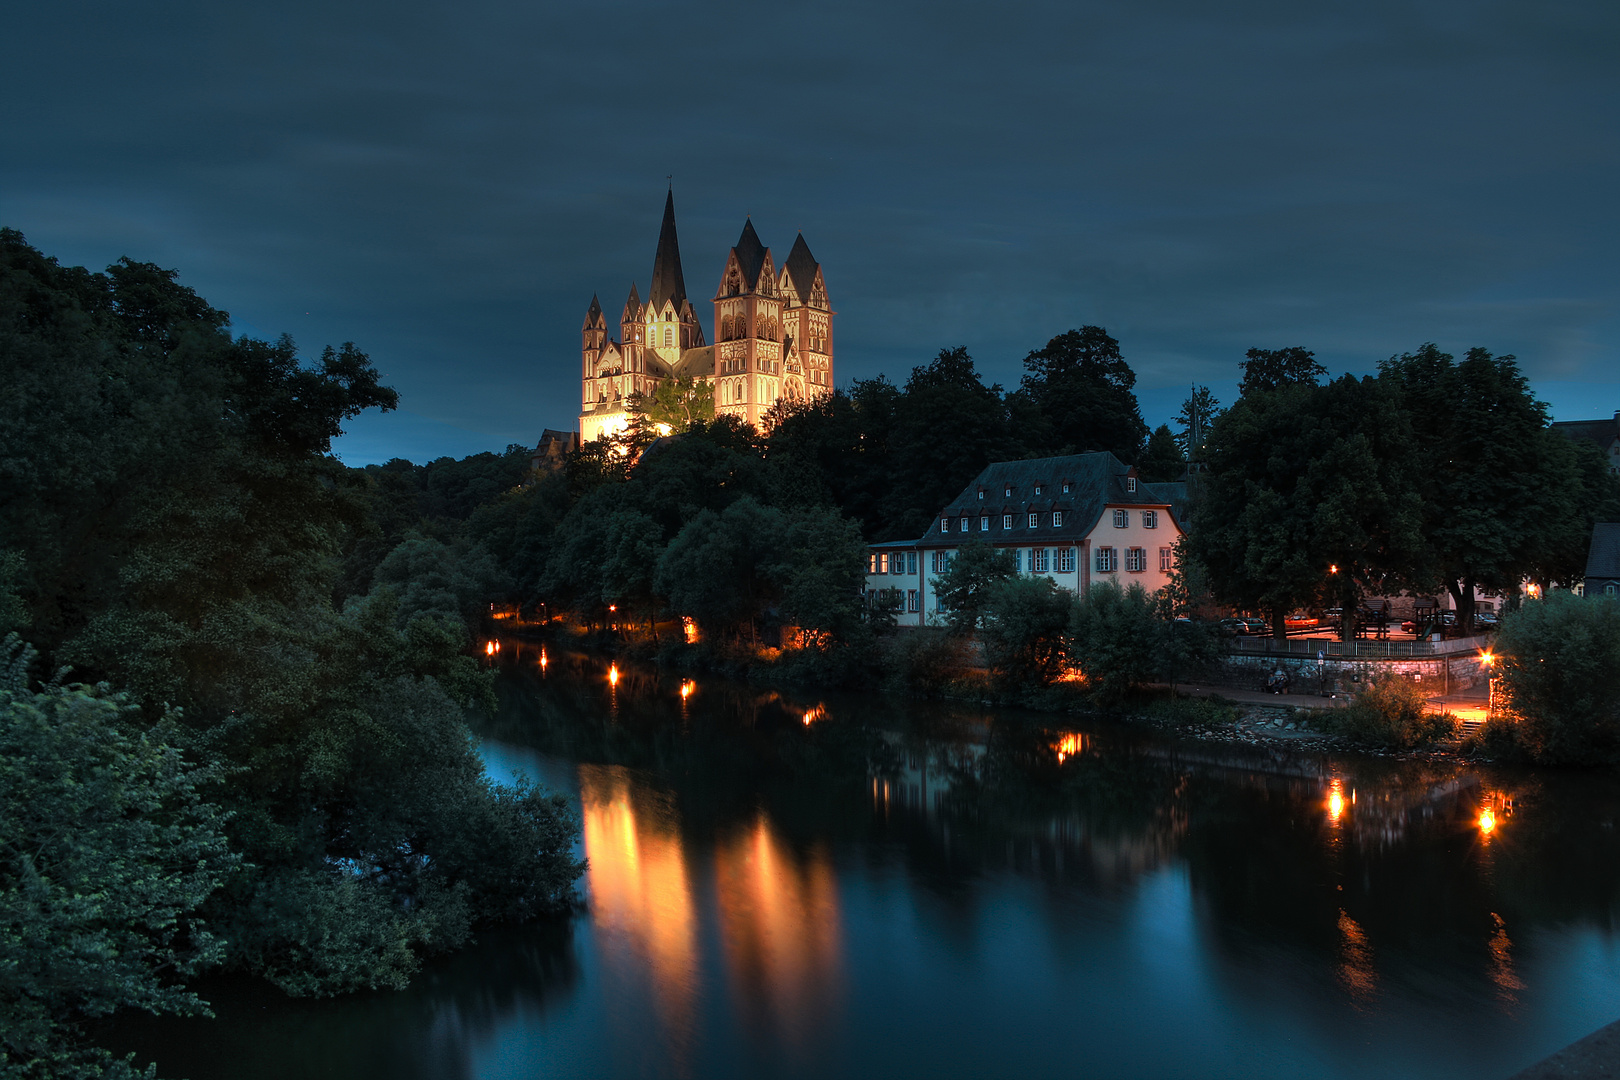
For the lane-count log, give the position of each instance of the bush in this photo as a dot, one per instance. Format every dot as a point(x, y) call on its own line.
point(1024, 631)
point(925, 661)
point(1191, 712)
point(1117, 636)
point(1559, 678)
point(1388, 713)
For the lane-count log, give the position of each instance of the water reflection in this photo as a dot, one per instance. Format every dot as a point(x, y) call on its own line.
point(900, 888)
point(641, 895)
point(779, 926)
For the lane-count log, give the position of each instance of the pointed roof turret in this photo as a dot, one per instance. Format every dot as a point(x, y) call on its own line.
point(750, 254)
point(667, 283)
point(801, 269)
point(593, 314)
point(632, 305)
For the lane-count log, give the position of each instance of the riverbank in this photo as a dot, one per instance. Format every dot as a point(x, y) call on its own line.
point(1596, 1057)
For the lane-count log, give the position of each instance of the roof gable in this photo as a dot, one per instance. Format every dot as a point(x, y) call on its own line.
point(1603, 558)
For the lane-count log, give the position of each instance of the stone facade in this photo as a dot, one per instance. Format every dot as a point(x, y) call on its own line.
point(772, 337)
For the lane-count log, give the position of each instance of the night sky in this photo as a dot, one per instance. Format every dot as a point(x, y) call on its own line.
point(447, 185)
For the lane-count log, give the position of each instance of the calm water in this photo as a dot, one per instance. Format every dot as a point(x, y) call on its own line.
point(795, 885)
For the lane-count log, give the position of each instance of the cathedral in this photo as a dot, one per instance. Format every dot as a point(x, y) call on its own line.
point(772, 335)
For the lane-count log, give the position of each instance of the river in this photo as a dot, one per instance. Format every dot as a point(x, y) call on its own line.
point(794, 884)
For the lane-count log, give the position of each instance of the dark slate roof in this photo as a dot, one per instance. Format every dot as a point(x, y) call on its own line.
point(750, 254)
point(801, 269)
point(1096, 481)
point(1602, 432)
point(696, 362)
point(593, 314)
point(1603, 560)
point(667, 282)
point(632, 305)
point(1174, 493)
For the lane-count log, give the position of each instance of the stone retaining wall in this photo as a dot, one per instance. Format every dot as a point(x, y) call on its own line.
point(1435, 674)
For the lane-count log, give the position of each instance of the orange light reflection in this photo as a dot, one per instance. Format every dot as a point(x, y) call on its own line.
point(1069, 745)
point(781, 931)
point(641, 893)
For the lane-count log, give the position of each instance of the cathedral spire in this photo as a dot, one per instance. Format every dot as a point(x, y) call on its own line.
point(667, 283)
point(750, 254)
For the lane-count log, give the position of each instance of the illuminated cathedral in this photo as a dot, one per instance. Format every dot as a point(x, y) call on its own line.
point(772, 335)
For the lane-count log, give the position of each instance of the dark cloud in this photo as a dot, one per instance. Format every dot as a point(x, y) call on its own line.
point(448, 184)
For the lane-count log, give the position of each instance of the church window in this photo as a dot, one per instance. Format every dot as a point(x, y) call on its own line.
point(669, 336)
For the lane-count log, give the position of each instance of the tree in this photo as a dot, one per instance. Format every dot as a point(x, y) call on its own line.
point(1025, 622)
point(948, 425)
point(1080, 388)
point(677, 403)
point(1164, 461)
point(1114, 636)
point(1311, 496)
point(107, 851)
point(1558, 666)
point(1197, 415)
point(964, 588)
point(1498, 486)
point(1267, 370)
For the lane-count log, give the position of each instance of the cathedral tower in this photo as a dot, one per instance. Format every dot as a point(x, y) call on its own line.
point(806, 322)
point(748, 355)
point(772, 333)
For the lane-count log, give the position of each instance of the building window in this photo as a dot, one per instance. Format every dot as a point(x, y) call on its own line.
point(1037, 560)
point(1006, 521)
point(964, 524)
point(911, 563)
point(984, 522)
point(1122, 518)
point(1018, 560)
point(1610, 589)
point(1136, 559)
point(1167, 559)
point(1150, 519)
point(981, 494)
point(883, 562)
point(669, 336)
point(1105, 561)
point(1034, 520)
point(944, 524)
point(1057, 519)
point(1130, 483)
point(911, 600)
point(1009, 493)
point(1037, 489)
point(1066, 486)
point(871, 564)
point(1066, 561)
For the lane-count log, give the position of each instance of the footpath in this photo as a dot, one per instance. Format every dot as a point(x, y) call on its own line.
point(1596, 1057)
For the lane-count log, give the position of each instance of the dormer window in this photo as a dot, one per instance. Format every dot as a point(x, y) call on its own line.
point(1037, 489)
point(1057, 519)
point(1009, 493)
point(981, 494)
point(1066, 486)
point(1130, 483)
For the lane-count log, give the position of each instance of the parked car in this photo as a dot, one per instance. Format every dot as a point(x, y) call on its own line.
point(1235, 626)
point(1258, 626)
point(1486, 620)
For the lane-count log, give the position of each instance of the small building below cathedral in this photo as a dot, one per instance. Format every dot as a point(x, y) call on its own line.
point(771, 328)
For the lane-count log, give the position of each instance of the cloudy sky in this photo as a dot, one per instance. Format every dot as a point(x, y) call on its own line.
point(447, 184)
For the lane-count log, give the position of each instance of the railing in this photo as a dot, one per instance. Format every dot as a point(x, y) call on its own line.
point(1367, 650)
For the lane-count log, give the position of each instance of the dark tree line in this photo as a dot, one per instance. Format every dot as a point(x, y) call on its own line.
point(253, 751)
point(1436, 474)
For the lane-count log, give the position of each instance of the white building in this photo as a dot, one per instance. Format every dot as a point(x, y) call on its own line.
point(1079, 520)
